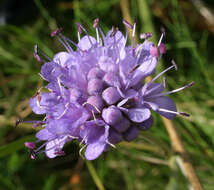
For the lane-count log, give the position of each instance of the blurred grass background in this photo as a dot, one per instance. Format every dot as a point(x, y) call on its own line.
point(145, 164)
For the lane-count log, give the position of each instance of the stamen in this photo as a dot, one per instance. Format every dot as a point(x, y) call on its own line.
point(37, 51)
point(93, 115)
point(59, 153)
point(133, 34)
point(79, 30)
point(173, 91)
point(134, 68)
point(80, 151)
point(18, 121)
point(162, 35)
point(32, 155)
point(66, 42)
point(161, 73)
point(112, 145)
point(95, 25)
point(64, 112)
point(84, 29)
point(164, 82)
point(177, 113)
point(92, 105)
point(30, 145)
point(60, 86)
point(114, 31)
point(146, 35)
point(127, 24)
point(56, 32)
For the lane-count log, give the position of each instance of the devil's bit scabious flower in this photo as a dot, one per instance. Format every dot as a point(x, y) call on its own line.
point(97, 94)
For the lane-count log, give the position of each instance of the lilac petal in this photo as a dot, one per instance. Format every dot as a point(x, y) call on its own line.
point(150, 89)
point(42, 102)
point(165, 103)
point(94, 150)
point(53, 147)
point(61, 58)
point(145, 69)
point(51, 70)
point(147, 124)
point(139, 115)
point(131, 134)
point(118, 38)
point(44, 134)
point(85, 43)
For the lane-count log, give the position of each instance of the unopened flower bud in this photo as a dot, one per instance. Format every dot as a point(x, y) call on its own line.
point(95, 86)
point(111, 79)
point(74, 94)
point(111, 95)
point(95, 103)
point(112, 115)
point(122, 126)
point(95, 73)
point(114, 137)
point(131, 133)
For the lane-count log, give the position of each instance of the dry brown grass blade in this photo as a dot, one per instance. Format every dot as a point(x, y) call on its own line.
point(177, 144)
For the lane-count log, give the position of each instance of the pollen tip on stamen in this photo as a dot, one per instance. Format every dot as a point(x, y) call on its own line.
point(163, 31)
point(175, 65)
point(18, 121)
point(114, 31)
point(60, 153)
point(191, 84)
point(96, 23)
point(33, 155)
point(56, 32)
point(184, 114)
point(164, 82)
point(79, 27)
point(127, 24)
point(30, 145)
point(146, 35)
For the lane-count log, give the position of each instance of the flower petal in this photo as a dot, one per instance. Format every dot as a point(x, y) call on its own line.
point(165, 103)
point(94, 150)
point(139, 115)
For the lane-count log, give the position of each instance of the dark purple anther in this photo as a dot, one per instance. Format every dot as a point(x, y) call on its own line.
point(56, 32)
point(146, 35)
point(127, 24)
point(114, 31)
point(30, 145)
point(111, 95)
point(96, 23)
point(79, 28)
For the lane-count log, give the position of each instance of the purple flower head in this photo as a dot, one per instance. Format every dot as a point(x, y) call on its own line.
point(96, 95)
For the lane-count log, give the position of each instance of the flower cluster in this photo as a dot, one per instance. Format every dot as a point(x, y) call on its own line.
point(97, 92)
